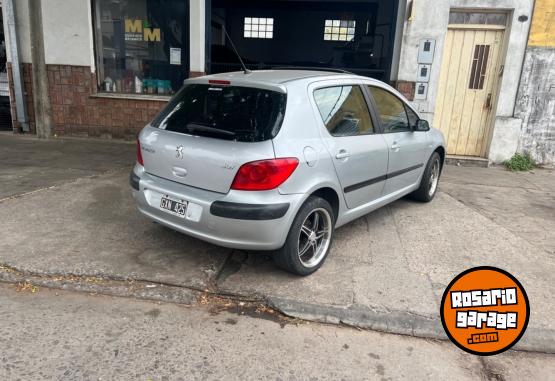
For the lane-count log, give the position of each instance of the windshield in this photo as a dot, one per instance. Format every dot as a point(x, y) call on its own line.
point(245, 114)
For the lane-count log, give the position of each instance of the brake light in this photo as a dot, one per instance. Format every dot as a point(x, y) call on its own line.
point(139, 154)
point(219, 82)
point(264, 174)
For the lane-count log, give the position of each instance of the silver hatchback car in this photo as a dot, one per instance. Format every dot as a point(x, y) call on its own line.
point(276, 160)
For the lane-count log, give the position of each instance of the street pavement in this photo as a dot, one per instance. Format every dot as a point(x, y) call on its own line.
point(68, 221)
point(59, 335)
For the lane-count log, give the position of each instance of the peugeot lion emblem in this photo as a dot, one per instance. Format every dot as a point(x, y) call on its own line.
point(179, 152)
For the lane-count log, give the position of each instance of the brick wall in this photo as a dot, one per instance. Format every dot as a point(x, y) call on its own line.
point(78, 111)
point(405, 88)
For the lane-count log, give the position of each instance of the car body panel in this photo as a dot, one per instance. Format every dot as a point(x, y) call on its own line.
point(198, 161)
point(407, 159)
point(362, 172)
point(247, 234)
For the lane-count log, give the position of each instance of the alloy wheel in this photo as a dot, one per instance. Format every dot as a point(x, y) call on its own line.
point(434, 177)
point(314, 237)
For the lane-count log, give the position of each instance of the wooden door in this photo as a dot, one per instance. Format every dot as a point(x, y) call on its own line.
point(468, 83)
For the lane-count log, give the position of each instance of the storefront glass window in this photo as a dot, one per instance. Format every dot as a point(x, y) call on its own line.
point(141, 46)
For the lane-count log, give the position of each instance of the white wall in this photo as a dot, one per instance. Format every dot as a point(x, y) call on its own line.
point(66, 25)
point(430, 20)
point(67, 28)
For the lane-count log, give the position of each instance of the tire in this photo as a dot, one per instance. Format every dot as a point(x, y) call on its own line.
point(428, 185)
point(300, 238)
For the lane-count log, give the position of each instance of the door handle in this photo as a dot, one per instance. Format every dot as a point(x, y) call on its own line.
point(342, 154)
point(395, 146)
point(488, 101)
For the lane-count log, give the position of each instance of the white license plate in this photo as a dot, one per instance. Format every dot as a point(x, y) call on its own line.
point(178, 208)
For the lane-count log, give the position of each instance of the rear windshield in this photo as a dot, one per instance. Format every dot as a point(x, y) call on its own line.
point(244, 114)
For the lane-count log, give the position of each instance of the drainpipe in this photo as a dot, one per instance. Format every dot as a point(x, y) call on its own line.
point(41, 96)
point(20, 104)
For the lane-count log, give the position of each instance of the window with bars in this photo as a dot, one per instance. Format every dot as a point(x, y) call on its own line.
point(479, 67)
point(339, 30)
point(258, 27)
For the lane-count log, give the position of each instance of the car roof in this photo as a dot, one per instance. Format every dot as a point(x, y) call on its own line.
point(275, 79)
point(274, 76)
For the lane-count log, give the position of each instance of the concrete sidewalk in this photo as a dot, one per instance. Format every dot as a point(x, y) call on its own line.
point(387, 271)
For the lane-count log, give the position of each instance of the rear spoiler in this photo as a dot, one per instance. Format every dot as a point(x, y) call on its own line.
point(236, 79)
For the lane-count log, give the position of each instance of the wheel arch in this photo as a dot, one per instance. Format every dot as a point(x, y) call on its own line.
point(330, 195)
point(441, 151)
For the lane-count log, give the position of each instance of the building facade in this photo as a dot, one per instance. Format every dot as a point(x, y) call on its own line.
point(535, 104)
point(112, 64)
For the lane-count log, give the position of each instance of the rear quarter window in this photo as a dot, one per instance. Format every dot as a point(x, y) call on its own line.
point(245, 114)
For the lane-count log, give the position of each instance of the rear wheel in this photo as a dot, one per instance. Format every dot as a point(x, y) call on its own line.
point(430, 180)
point(309, 238)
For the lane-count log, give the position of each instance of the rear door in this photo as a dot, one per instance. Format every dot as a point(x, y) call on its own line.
point(208, 131)
point(359, 153)
point(407, 148)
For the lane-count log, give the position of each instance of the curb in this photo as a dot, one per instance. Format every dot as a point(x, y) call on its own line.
point(397, 322)
point(394, 322)
point(130, 289)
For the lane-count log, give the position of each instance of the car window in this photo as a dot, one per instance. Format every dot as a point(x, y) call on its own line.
point(391, 110)
point(344, 110)
point(413, 118)
point(245, 114)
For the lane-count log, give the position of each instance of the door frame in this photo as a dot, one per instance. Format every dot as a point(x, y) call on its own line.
point(490, 124)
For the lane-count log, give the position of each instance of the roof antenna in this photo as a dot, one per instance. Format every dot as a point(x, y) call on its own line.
point(245, 70)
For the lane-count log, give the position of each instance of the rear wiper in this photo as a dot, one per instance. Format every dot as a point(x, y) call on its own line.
point(203, 128)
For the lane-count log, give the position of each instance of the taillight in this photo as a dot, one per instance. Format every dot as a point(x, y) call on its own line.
point(264, 174)
point(219, 82)
point(139, 154)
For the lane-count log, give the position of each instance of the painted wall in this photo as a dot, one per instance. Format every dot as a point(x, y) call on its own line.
point(67, 39)
point(430, 19)
point(536, 97)
point(67, 30)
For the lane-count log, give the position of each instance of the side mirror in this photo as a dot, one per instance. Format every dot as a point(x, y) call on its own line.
point(422, 125)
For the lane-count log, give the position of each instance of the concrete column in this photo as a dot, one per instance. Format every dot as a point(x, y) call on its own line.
point(197, 29)
point(41, 98)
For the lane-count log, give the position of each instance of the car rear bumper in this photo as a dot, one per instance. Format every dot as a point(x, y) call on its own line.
point(238, 219)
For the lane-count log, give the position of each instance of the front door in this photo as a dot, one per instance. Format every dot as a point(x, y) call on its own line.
point(407, 147)
point(469, 77)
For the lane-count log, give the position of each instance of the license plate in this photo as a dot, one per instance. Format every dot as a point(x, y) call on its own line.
point(175, 207)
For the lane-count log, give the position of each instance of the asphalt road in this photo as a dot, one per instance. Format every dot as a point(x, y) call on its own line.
point(60, 335)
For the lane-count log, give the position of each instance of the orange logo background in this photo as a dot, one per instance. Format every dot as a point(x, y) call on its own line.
point(485, 340)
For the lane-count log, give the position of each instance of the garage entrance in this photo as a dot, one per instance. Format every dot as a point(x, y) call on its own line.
point(356, 36)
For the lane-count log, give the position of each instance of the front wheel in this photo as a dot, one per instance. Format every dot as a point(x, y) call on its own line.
point(309, 239)
point(430, 179)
